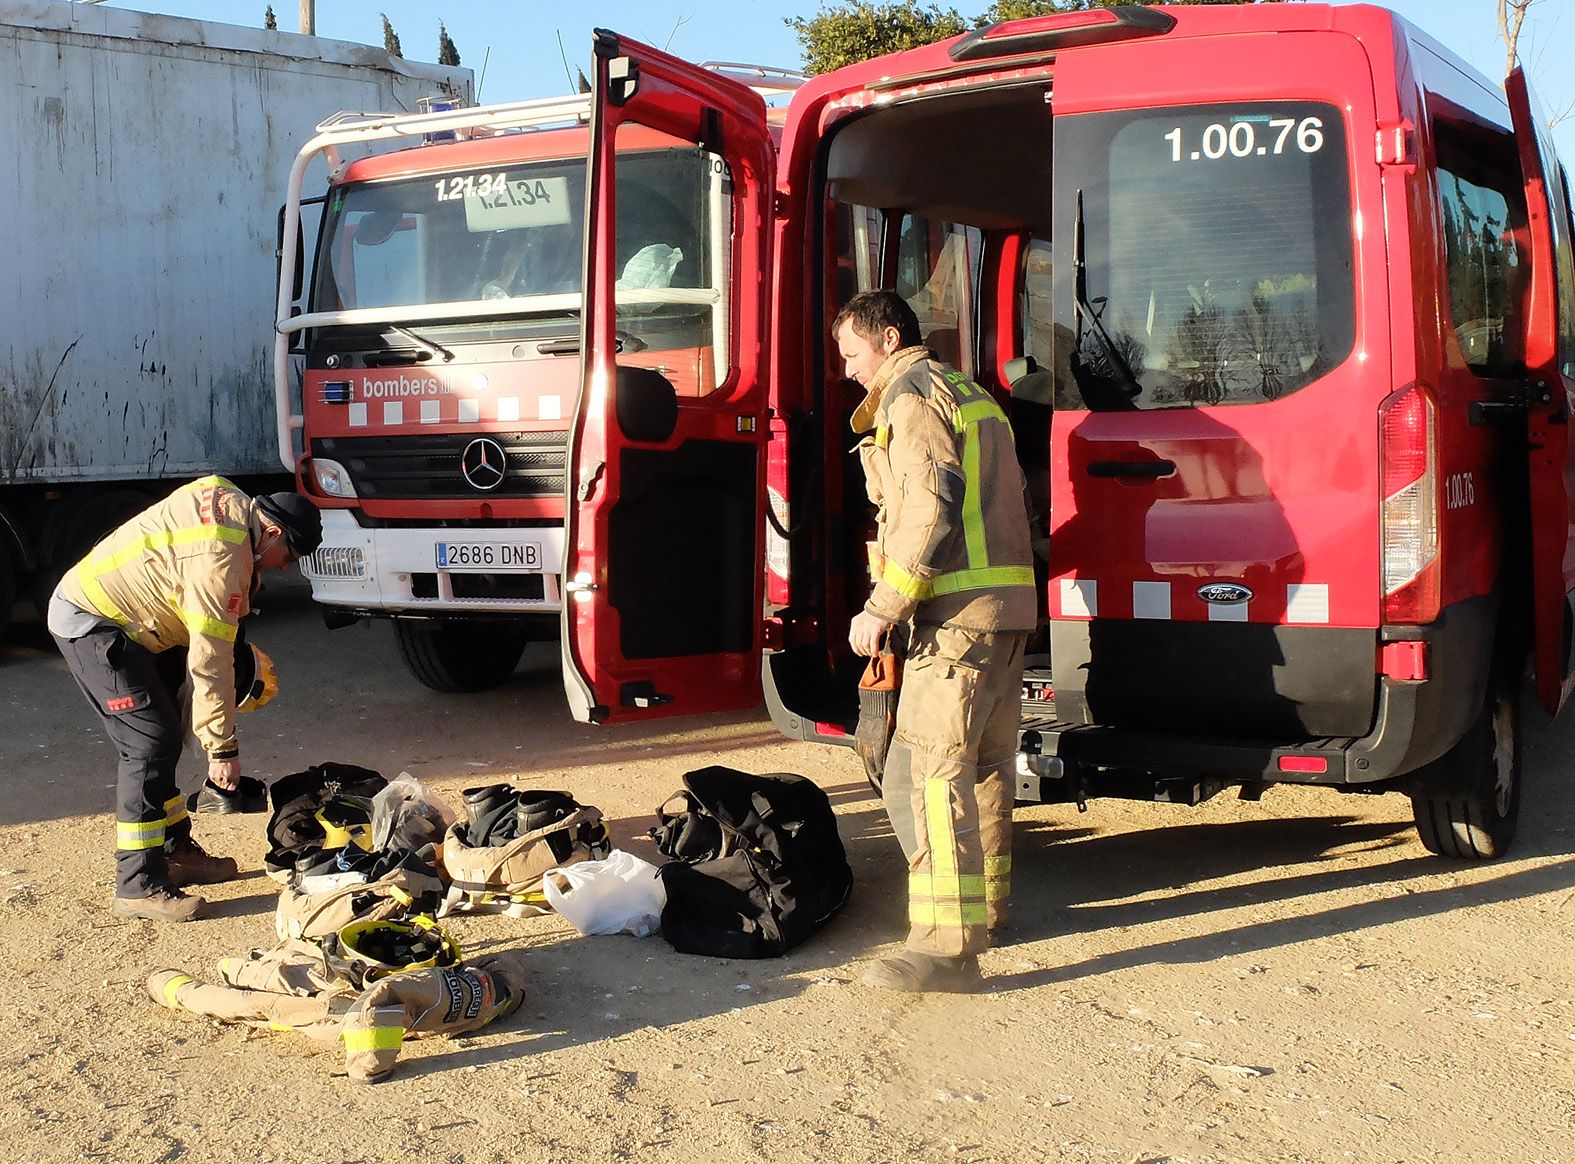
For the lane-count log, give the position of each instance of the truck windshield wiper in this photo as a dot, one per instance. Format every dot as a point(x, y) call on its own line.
point(1120, 370)
point(435, 349)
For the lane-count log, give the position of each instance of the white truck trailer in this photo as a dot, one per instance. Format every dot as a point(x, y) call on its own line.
point(145, 165)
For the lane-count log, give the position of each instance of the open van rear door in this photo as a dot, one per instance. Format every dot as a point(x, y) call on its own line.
point(1550, 365)
point(664, 545)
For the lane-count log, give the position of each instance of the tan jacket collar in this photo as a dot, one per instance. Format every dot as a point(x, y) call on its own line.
point(863, 418)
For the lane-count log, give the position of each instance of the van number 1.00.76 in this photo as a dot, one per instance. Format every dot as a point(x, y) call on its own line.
point(1240, 138)
point(1459, 491)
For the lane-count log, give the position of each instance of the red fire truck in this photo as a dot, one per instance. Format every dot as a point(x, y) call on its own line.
point(424, 386)
point(1280, 299)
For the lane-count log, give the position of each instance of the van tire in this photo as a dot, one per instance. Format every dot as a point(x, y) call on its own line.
point(454, 656)
point(1475, 814)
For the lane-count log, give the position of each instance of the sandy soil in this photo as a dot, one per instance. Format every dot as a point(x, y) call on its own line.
point(1293, 979)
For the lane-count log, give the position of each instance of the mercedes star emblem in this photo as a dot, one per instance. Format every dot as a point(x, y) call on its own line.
point(482, 464)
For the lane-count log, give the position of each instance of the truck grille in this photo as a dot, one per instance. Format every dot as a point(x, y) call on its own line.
point(427, 466)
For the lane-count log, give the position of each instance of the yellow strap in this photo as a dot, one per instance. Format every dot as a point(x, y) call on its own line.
point(175, 810)
point(986, 578)
point(973, 501)
point(882, 435)
point(136, 836)
point(374, 1039)
point(947, 887)
point(172, 987)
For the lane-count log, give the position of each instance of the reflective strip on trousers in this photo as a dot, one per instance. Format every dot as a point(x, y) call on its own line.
point(374, 1039)
point(136, 836)
point(997, 877)
point(172, 988)
point(175, 810)
point(941, 896)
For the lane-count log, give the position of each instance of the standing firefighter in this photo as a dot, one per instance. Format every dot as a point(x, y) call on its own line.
point(157, 601)
point(953, 556)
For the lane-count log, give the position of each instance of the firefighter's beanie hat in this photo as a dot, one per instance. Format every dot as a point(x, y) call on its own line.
point(298, 517)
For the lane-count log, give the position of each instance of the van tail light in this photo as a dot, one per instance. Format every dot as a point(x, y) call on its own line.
point(1408, 454)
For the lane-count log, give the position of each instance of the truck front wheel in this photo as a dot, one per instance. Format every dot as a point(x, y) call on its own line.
point(1475, 806)
point(454, 656)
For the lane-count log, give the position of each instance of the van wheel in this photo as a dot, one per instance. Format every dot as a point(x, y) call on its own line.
point(455, 656)
point(1475, 815)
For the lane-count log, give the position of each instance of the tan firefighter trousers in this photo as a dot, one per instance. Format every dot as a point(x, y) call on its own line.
point(949, 783)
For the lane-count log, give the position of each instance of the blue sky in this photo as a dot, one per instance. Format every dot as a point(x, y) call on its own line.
point(518, 43)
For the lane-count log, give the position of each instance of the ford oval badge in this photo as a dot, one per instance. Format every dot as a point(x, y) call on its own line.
point(1224, 592)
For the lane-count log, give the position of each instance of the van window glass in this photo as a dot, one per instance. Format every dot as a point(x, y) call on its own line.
point(1038, 323)
point(517, 233)
point(1482, 212)
point(936, 266)
point(1565, 236)
point(858, 250)
point(1211, 248)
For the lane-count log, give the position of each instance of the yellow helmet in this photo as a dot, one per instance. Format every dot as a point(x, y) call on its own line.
point(367, 950)
point(264, 684)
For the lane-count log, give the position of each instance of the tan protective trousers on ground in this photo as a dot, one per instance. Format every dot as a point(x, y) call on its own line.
point(949, 783)
point(292, 988)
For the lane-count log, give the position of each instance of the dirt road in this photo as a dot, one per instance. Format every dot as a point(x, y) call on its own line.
point(1293, 979)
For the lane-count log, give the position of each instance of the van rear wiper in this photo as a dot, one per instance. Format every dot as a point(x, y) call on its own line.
point(1117, 363)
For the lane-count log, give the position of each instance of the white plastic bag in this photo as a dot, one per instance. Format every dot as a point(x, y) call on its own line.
point(407, 815)
point(619, 894)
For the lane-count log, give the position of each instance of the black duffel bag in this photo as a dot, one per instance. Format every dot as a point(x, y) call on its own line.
point(760, 865)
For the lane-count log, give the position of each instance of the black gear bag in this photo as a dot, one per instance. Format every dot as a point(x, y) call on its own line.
point(760, 865)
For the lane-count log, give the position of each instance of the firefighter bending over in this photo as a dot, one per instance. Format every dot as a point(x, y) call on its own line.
point(953, 556)
point(157, 601)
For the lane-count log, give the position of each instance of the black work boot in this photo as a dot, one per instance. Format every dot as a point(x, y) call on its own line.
point(251, 796)
point(914, 973)
point(540, 807)
point(489, 814)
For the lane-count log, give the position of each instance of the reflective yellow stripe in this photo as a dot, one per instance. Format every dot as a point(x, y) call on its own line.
point(200, 624)
point(103, 563)
point(973, 502)
point(101, 601)
point(961, 383)
point(905, 583)
point(968, 415)
point(175, 810)
point(172, 986)
point(942, 887)
point(134, 836)
point(375, 1039)
point(959, 914)
point(987, 577)
point(997, 878)
point(276, 1025)
point(882, 435)
point(938, 824)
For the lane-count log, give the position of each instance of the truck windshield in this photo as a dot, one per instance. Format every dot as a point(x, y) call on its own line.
point(1203, 254)
point(505, 232)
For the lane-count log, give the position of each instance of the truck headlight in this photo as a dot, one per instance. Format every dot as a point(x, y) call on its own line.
point(331, 478)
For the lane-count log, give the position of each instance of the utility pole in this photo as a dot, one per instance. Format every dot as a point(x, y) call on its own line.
point(309, 17)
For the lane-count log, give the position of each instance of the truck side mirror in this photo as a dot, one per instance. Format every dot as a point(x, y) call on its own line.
point(646, 404)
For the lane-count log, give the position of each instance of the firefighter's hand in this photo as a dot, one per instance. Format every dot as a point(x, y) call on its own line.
point(866, 633)
point(225, 774)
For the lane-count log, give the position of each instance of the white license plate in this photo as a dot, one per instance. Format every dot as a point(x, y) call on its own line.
point(493, 556)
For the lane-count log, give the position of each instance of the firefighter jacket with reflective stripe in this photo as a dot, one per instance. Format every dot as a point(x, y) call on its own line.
point(941, 467)
point(180, 574)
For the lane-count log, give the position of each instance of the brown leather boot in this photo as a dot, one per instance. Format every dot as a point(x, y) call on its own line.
point(914, 973)
point(190, 864)
point(162, 905)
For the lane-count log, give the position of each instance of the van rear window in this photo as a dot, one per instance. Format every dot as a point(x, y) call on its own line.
point(1203, 255)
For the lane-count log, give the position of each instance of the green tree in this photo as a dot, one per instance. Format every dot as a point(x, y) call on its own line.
point(270, 21)
point(447, 53)
point(391, 43)
point(856, 30)
point(860, 29)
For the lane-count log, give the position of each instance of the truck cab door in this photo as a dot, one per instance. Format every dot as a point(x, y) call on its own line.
point(1550, 366)
point(664, 545)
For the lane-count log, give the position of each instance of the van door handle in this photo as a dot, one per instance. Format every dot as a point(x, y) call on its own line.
point(1131, 468)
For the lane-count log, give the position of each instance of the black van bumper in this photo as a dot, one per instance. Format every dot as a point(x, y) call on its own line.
point(1414, 723)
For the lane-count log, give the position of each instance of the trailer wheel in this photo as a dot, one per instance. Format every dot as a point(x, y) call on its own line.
point(73, 529)
point(455, 656)
point(1475, 813)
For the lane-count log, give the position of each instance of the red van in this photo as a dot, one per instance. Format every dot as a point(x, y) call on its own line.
point(1281, 301)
